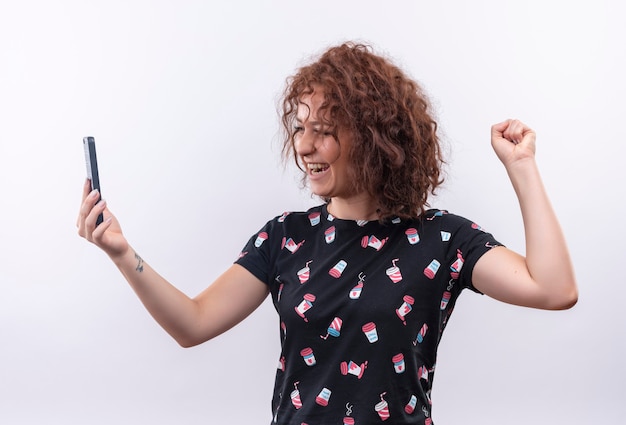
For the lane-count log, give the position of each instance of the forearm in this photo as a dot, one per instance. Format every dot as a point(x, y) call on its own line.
point(547, 256)
point(171, 308)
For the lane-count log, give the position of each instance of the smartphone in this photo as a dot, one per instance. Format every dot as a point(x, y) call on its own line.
point(89, 145)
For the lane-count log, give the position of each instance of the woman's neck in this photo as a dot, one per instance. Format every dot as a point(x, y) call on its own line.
point(357, 208)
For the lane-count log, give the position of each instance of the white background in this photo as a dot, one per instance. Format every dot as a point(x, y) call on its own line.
point(181, 97)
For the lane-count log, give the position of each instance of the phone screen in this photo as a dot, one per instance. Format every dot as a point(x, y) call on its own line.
point(89, 145)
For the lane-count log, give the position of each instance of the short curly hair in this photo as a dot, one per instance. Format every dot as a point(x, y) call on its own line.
point(396, 150)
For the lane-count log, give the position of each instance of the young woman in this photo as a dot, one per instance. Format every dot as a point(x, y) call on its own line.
point(365, 283)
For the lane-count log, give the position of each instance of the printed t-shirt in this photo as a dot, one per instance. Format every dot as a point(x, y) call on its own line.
point(362, 307)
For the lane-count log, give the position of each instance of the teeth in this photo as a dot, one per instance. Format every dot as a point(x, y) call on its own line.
point(316, 168)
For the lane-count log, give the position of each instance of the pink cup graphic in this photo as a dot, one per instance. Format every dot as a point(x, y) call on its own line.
point(456, 267)
point(422, 373)
point(307, 355)
point(422, 333)
point(369, 329)
point(280, 290)
point(432, 268)
point(410, 406)
point(398, 363)
point(394, 272)
point(405, 308)
point(291, 245)
point(353, 368)
point(295, 397)
point(261, 237)
point(323, 397)
point(305, 305)
point(329, 234)
point(304, 273)
point(348, 421)
point(412, 236)
point(373, 242)
point(355, 292)
point(382, 409)
point(338, 269)
point(445, 299)
point(428, 421)
point(314, 218)
point(334, 329)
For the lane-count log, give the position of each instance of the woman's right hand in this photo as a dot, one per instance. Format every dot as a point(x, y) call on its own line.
point(108, 234)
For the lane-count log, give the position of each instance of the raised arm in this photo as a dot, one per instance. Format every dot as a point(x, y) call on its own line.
point(190, 321)
point(544, 278)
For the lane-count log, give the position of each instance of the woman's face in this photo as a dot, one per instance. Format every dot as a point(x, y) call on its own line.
point(324, 159)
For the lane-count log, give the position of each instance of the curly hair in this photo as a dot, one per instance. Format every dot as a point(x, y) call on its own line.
point(396, 150)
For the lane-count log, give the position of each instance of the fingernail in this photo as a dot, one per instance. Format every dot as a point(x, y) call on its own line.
point(94, 193)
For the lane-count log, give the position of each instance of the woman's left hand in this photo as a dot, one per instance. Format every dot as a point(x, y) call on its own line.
point(513, 141)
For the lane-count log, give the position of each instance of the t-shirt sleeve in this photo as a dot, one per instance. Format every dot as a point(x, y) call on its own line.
point(256, 255)
point(471, 242)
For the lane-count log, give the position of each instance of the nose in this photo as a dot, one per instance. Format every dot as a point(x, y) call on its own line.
point(304, 143)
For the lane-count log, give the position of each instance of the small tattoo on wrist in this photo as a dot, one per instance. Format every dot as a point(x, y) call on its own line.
point(139, 267)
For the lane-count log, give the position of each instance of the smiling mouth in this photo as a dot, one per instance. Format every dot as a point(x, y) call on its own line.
point(317, 168)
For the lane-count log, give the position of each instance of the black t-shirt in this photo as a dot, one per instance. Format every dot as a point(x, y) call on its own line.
point(362, 308)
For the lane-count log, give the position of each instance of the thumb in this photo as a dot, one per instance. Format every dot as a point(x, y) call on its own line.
point(499, 128)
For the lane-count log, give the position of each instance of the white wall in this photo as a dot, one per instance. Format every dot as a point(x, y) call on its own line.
point(181, 97)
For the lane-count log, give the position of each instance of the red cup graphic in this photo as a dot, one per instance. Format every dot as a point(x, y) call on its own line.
point(456, 267)
point(355, 292)
point(348, 421)
point(261, 237)
point(422, 333)
point(314, 218)
point(334, 329)
point(422, 373)
point(338, 269)
point(295, 399)
point(307, 355)
point(382, 409)
point(432, 268)
point(323, 397)
point(394, 272)
point(353, 368)
point(305, 305)
point(405, 308)
point(304, 273)
point(410, 406)
point(329, 234)
point(445, 299)
point(412, 236)
point(373, 242)
point(398, 363)
point(369, 329)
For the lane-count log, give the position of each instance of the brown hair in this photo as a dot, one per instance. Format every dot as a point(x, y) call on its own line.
point(396, 151)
